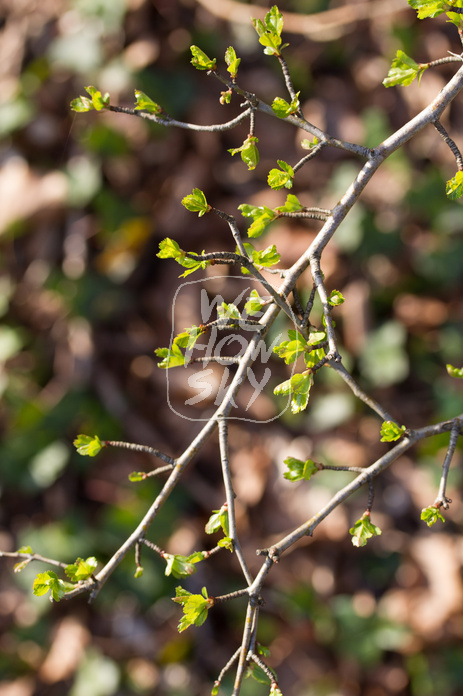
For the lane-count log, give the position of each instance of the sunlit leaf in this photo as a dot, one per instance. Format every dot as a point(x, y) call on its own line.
point(200, 60)
point(454, 187)
point(390, 431)
point(88, 446)
point(363, 530)
point(431, 515)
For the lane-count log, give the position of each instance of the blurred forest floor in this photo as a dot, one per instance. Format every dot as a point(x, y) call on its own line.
point(85, 201)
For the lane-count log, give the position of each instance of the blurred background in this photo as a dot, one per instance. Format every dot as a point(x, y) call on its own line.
point(84, 302)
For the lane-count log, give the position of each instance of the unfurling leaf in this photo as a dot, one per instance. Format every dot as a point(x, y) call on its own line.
point(403, 71)
point(195, 607)
point(261, 215)
point(254, 304)
point(50, 582)
point(169, 249)
point(455, 371)
point(138, 572)
point(178, 566)
point(200, 60)
point(454, 187)
point(218, 520)
point(281, 178)
point(232, 61)
point(428, 8)
point(290, 350)
point(88, 446)
point(292, 205)
point(137, 475)
point(282, 109)
point(248, 151)
point(390, 431)
point(80, 569)
point(431, 514)
point(336, 298)
point(298, 387)
point(144, 103)
point(269, 31)
point(299, 470)
point(363, 530)
point(81, 104)
point(196, 202)
point(98, 100)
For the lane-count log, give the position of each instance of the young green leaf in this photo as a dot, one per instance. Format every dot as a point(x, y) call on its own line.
point(232, 61)
point(307, 144)
point(50, 582)
point(228, 311)
point(390, 431)
point(261, 215)
point(431, 514)
point(196, 202)
point(281, 178)
point(454, 187)
point(267, 257)
point(98, 100)
point(363, 530)
point(200, 60)
point(455, 371)
point(82, 104)
point(138, 475)
point(226, 543)
point(403, 71)
point(336, 298)
point(248, 151)
point(269, 31)
point(290, 350)
point(225, 97)
point(298, 386)
point(178, 566)
point(169, 249)
point(170, 357)
point(428, 8)
point(138, 572)
point(80, 569)
point(254, 304)
point(299, 470)
point(144, 103)
point(18, 567)
point(282, 109)
point(292, 205)
point(88, 446)
point(195, 607)
point(218, 520)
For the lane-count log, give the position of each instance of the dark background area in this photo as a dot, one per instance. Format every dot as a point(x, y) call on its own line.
point(84, 302)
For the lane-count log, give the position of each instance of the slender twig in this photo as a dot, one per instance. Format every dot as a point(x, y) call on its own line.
point(166, 120)
point(29, 557)
point(234, 230)
point(451, 143)
point(230, 496)
point(359, 393)
point(371, 495)
point(442, 499)
point(310, 213)
point(288, 79)
point(313, 153)
point(309, 307)
point(248, 633)
point(141, 448)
